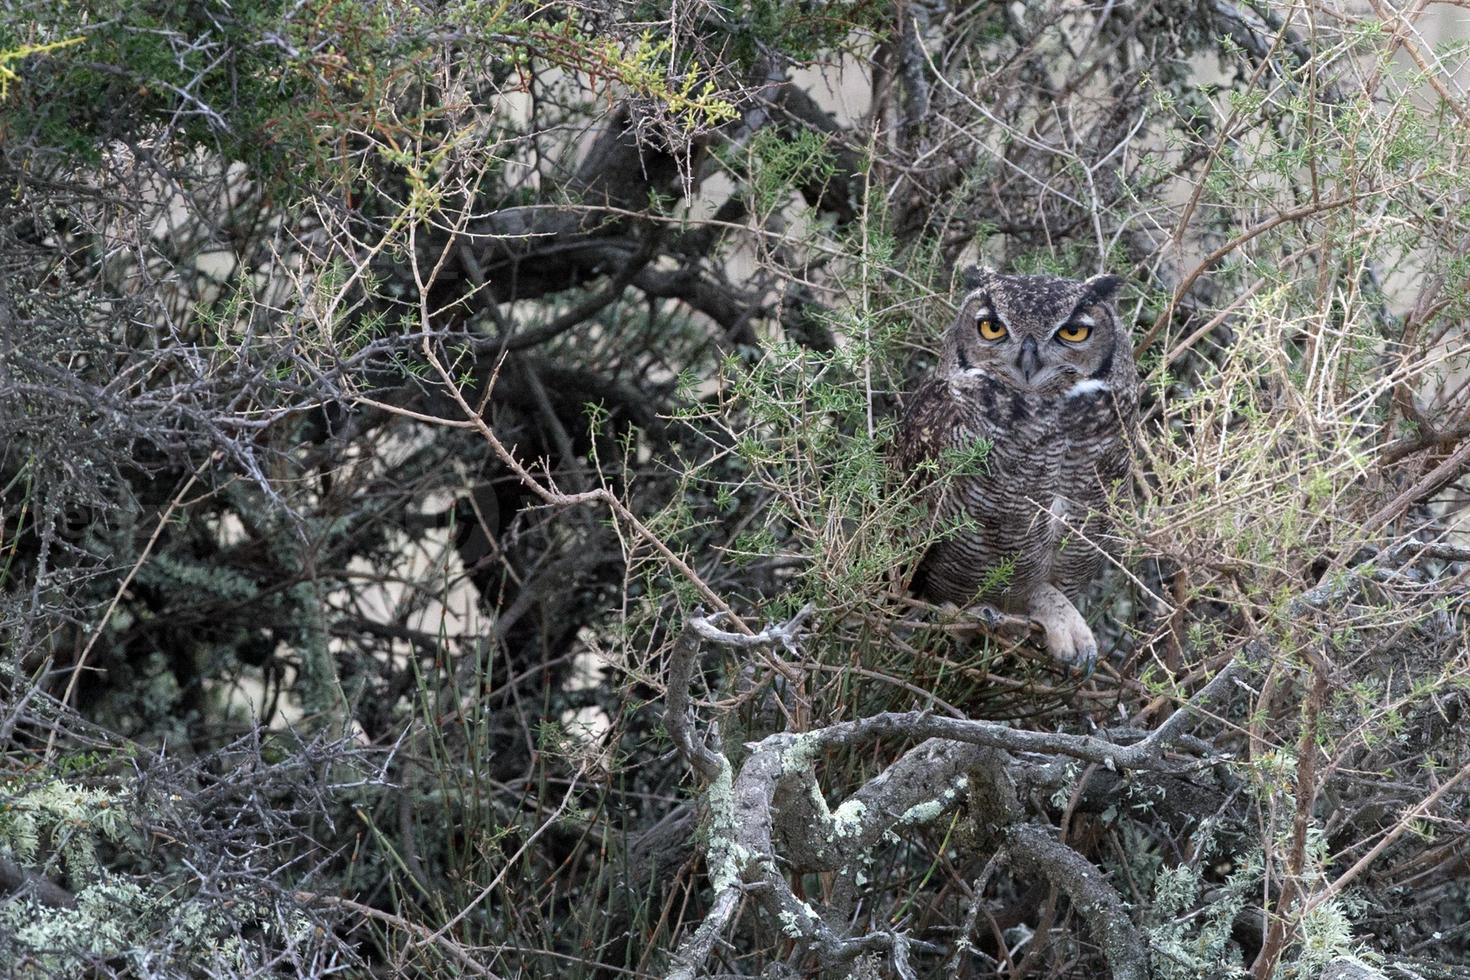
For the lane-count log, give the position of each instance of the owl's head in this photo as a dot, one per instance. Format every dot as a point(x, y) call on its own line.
point(1038, 334)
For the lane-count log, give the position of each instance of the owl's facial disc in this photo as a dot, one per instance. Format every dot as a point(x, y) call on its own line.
point(1042, 335)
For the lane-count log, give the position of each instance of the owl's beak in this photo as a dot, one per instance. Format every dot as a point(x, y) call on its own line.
point(1029, 360)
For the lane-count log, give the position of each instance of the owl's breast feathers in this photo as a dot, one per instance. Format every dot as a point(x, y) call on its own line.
point(1049, 464)
point(943, 415)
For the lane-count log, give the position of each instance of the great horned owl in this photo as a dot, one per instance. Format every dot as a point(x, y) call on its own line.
point(1041, 369)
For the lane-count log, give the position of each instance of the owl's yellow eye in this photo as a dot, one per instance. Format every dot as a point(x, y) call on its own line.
point(1074, 333)
point(990, 330)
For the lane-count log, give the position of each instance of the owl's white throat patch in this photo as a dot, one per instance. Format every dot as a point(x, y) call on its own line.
point(1086, 387)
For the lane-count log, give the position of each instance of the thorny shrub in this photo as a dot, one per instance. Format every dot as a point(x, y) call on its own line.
point(302, 675)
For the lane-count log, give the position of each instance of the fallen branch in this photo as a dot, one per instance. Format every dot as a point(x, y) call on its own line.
point(770, 818)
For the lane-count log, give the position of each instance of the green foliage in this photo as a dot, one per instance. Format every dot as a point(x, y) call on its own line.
point(264, 83)
point(120, 921)
point(222, 84)
point(8, 74)
point(692, 100)
point(780, 164)
point(802, 31)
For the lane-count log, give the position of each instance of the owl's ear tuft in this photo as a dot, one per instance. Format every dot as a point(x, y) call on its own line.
point(1100, 289)
point(975, 276)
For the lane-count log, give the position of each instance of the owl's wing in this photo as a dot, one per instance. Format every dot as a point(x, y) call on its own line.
point(934, 422)
point(937, 425)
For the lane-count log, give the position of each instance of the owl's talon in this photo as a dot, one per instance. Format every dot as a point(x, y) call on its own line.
point(1088, 665)
point(1087, 654)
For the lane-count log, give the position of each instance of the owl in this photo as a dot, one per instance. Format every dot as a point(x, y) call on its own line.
point(1038, 371)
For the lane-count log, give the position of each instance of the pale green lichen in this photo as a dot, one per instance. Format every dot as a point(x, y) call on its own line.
point(72, 818)
point(56, 826)
point(926, 812)
point(797, 924)
point(118, 918)
point(847, 819)
point(725, 856)
point(1064, 790)
point(922, 813)
point(800, 754)
point(818, 802)
point(1195, 944)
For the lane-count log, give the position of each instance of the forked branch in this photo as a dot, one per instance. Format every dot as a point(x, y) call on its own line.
point(770, 817)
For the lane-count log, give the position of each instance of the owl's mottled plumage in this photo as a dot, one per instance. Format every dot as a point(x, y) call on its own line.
point(1057, 415)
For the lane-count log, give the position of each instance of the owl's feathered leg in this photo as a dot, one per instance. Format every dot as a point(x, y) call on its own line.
point(1068, 637)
